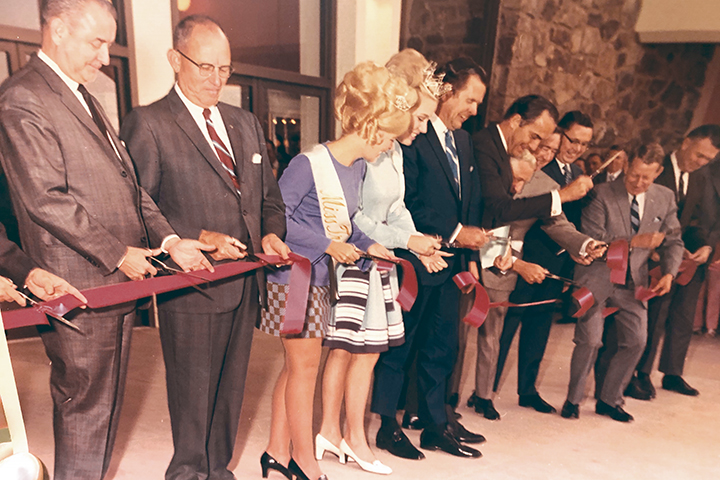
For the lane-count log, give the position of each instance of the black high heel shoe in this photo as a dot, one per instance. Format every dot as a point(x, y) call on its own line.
point(295, 470)
point(269, 463)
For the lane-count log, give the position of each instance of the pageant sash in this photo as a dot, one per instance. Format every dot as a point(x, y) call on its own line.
point(109, 295)
point(331, 198)
point(482, 305)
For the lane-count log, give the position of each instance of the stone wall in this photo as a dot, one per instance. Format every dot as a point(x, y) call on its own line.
point(584, 54)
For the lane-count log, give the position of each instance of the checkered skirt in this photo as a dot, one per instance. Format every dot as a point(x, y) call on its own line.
point(316, 317)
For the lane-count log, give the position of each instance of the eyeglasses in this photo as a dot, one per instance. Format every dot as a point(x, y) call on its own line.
point(207, 69)
point(576, 142)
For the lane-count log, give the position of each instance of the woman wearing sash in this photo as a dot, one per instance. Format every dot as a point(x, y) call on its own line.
point(321, 191)
point(356, 346)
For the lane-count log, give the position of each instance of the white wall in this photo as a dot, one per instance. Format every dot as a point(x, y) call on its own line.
point(152, 28)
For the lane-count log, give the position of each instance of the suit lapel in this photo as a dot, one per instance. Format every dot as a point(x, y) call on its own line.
point(649, 212)
point(667, 177)
point(623, 205)
point(553, 171)
point(188, 125)
point(441, 156)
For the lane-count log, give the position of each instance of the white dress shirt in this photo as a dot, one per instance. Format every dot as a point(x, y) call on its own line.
point(677, 173)
point(640, 197)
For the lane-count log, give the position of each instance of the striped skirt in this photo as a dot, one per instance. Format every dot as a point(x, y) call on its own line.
point(366, 318)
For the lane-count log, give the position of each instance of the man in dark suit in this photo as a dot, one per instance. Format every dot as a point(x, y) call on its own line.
point(613, 171)
point(674, 313)
point(443, 196)
point(205, 164)
point(525, 124)
point(83, 217)
point(577, 132)
point(645, 214)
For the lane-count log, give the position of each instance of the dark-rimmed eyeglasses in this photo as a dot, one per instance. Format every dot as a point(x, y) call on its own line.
point(576, 142)
point(207, 69)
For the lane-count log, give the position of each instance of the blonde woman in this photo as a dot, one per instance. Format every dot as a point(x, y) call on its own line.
point(383, 217)
point(321, 191)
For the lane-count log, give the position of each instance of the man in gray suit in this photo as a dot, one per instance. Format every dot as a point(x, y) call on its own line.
point(527, 182)
point(206, 165)
point(645, 214)
point(83, 217)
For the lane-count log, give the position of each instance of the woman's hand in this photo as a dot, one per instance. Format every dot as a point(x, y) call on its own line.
point(423, 244)
point(435, 262)
point(343, 252)
point(377, 250)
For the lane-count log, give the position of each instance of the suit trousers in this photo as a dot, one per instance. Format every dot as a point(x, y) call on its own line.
point(707, 312)
point(488, 345)
point(432, 327)
point(206, 360)
point(87, 383)
point(466, 303)
point(631, 323)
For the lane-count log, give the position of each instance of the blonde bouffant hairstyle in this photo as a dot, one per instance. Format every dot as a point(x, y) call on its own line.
point(413, 67)
point(370, 98)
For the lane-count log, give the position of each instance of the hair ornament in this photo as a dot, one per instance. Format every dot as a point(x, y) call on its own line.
point(434, 83)
point(401, 103)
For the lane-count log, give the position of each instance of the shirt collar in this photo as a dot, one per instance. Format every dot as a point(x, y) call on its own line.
point(193, 108)
point(562, 165)
point(438, 125)
point(502, 137)
point(640, 197)
point(72, 84)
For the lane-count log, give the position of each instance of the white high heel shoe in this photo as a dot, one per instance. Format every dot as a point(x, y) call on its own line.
point(374, 467)
point(323, 445)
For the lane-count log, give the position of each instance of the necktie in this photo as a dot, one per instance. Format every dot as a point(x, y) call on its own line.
point(568, 174)
point(451, 153)
point(97, 118)
point(634, 215)
point(222, 152)
point(681, 188)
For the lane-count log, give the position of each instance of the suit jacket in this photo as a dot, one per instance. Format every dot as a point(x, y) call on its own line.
point(496, 179)
point(557, 228)
point(182, 173)
point(602, 177)
point(705, 217)
point(432, 197)
point(607, 218)
point(14, 264)
point(78, 204)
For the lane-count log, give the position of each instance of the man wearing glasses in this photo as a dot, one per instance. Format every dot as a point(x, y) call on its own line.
point(205, 164)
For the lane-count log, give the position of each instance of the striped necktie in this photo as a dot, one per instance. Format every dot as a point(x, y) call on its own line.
point(568, 174)
point(222, 151)
point(634, 215)
point(452, 156)
point(681, 188)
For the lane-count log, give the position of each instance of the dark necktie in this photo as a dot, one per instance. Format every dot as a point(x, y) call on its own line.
point(568, 174)
point(681, 188)
point(222, 152)
point(451, 153)
point(634, 215)
point(94, 113)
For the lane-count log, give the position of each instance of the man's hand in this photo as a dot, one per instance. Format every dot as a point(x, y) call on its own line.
point(435, 262)
point(135, 265)
point(343, 252)
point(423, 244)
point(47, 286)
point(577, 189)
point(272, 245)
point(226, 247)
point(701, 255)
point(377, 250)
point(586, 260)
point(471, 237)
point(663, 286)
point(9, 293)
point(504, 262)
point(595, 249)
point(530, 272)
point(188, 254)
point(647, 240)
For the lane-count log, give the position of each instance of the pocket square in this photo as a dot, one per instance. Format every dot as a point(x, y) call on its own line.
point(657, 219)
point(256, 158)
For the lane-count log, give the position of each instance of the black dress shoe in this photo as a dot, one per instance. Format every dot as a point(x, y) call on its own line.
point(413, 422)
point(267, 463)
point(616, 412)
point(483, 407)
point(635, 390)
point(570, 410)
point(462, 434)
point(536, 402)
point(295, 470)
point(646, 383)
point(430, 439)
point(675, 383)
point(397, 443)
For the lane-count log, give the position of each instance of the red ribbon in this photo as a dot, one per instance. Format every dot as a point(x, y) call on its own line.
point(617, 261)
point(125, 292)
point(466, 282)
point(409, 287)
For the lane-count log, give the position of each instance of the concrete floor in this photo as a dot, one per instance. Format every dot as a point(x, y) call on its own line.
point(673, 437)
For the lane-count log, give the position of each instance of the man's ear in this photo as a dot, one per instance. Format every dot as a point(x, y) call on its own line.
point(174, 58)
point(58, 30)
point(660, 170)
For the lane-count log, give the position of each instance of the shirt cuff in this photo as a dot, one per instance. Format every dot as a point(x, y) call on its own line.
point(583, 249)
point(455, 233)
point(122, 259)
point(556, 208)
point(167, 239)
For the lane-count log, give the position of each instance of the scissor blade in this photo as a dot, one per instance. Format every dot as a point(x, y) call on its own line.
point(57, 317)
